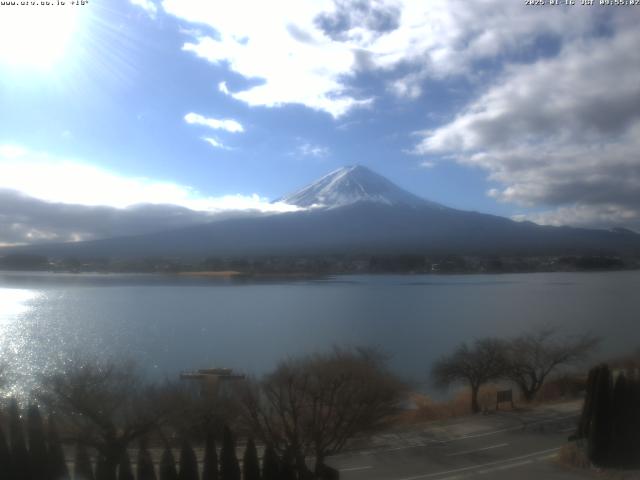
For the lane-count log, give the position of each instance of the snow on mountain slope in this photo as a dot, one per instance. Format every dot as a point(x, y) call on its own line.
point(353, 184)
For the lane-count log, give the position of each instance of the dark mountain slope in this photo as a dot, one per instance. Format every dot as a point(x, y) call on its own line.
point(358, 228)
point(354, 210)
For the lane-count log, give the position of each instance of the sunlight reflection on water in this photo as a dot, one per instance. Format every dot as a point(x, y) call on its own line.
point(39, 336)
point(14, 302)
point(48, 321)
point(16, 338)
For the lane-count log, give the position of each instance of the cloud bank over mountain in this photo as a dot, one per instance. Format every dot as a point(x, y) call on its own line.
point(44, 199)
point(26, 219)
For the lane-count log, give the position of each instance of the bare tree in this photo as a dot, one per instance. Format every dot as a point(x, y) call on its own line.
point(315, 404)
point(536, 354)
point(105, 406)
point(194, 415)
point(485, 360)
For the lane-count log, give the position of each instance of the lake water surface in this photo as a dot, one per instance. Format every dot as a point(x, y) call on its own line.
point(168, 324)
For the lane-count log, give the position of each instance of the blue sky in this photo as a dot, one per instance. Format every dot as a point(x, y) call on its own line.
point(491, 106)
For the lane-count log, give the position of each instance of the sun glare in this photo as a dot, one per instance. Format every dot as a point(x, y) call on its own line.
point(14, 302)
point(36, 36)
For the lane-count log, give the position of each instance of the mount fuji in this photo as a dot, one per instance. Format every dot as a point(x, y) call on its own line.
point(353, 184)
point(356, 211)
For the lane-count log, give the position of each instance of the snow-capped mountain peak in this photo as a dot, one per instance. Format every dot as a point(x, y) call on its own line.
point(349, 185)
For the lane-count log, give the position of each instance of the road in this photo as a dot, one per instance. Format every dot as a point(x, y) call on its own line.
point(497, 446)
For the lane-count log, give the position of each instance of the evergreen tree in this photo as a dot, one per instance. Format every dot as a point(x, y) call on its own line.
point(210, 468)
point(635, 423)
point(250, 464)
point(5, 457)
point(19, 452)
point(229, 468)
point(188, 462)
point(168, 466)
point(58, 469)
point(270, 464)
point(125, 472)
point(145, 470)
point(37, 444)
point(82, 468)
point(621, 413)
point(103, 471)
point(587, 408)
point(287, 469)
point(599, 442)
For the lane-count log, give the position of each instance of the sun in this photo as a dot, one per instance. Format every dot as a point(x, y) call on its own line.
point(37, 36)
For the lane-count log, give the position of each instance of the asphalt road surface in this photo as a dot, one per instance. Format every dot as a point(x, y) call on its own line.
point(497, 446)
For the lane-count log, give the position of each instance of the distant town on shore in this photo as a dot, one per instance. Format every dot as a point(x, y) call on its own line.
point(324, 264)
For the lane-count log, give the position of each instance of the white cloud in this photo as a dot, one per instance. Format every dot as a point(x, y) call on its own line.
point(279, 43)
point(228, 125)
point(308, 51)
point(562, 133)
point(71, 182)
point(222, 86)
point(311, 150)
point(147, 5)
point(215, 143)
point(11, 151)
point(26, 219)
point(601, 216)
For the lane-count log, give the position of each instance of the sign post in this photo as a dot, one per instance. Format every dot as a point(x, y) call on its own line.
point(504, 396)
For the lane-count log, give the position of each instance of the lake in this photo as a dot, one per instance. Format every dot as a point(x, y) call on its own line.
point(170, 323)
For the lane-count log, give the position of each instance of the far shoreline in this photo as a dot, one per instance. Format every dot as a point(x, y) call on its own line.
point(234, 274)
point(239, 275)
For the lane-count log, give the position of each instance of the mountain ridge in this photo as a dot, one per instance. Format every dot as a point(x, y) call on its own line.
point(362, 213)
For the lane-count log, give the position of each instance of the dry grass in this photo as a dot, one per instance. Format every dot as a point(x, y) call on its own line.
point(574, 457)
point(571, 455)
point(564, 387)
point(428, 410)
point(618, 475)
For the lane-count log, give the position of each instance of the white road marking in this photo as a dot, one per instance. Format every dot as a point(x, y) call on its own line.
point(395, 449)
point(454, 439)
point(489, 464)
point(505, 467)
point(511, 429)
point(502, 467)
point(355, 469)
point(478, 450)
